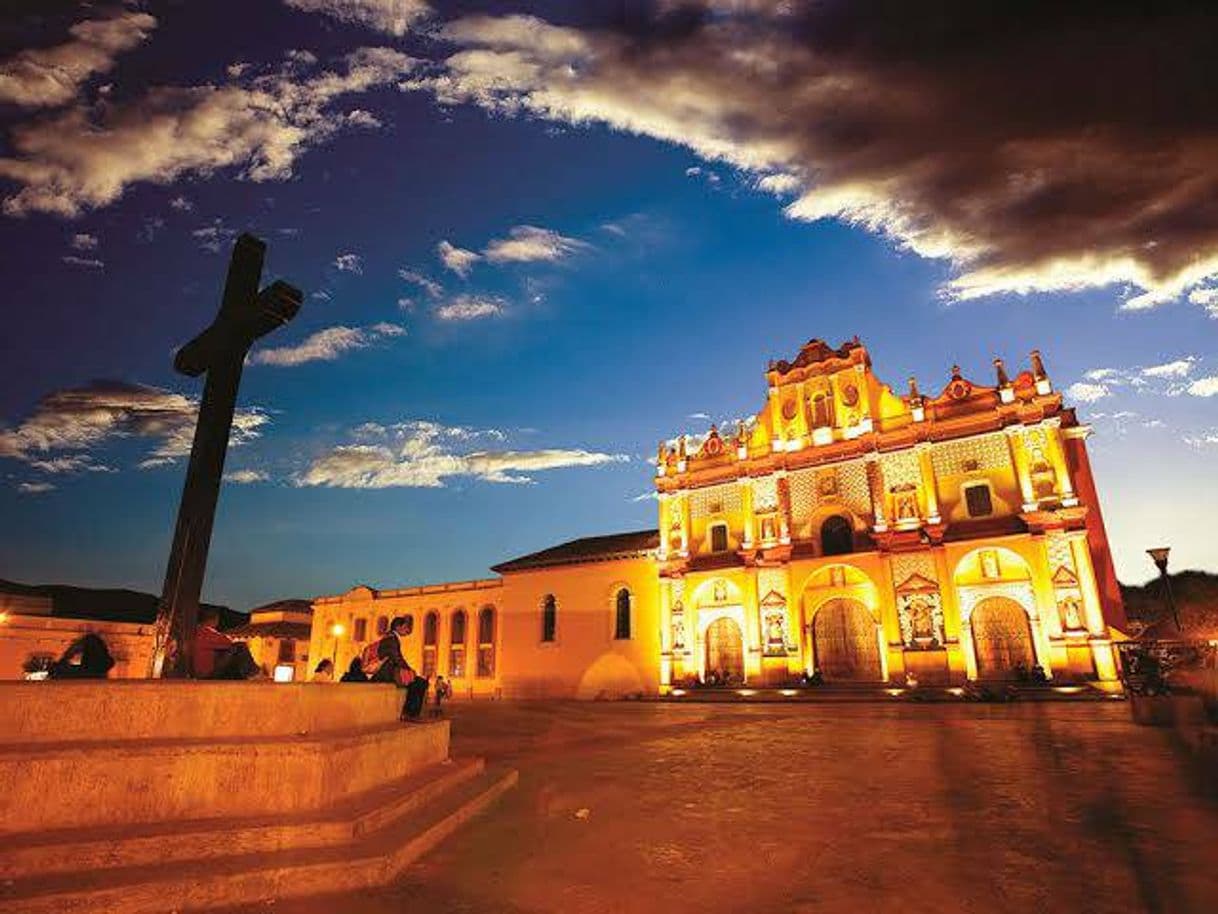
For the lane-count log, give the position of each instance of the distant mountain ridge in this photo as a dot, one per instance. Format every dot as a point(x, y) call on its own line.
point(105, 604)
point(1196, 597)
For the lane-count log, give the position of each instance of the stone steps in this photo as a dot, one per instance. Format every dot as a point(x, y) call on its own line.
point(869, 692)
point(73, 850)
point(380, 836)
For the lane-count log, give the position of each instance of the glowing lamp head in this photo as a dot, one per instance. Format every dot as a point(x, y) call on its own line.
point(3, 617)
point(337, 630)
point(1159, 557)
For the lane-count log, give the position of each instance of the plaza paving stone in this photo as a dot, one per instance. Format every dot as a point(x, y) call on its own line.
point(642, 807)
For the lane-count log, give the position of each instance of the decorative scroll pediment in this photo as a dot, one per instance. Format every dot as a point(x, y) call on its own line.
point(773, 598)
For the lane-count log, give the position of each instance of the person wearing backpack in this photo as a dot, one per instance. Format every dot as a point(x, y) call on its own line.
point(394, 668)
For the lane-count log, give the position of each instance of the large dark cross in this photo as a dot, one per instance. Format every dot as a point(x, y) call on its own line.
point(245, 315)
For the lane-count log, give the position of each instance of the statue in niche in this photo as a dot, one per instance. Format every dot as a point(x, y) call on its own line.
point(905, 502)
point(767, 529)
point(678, 634)
point(1044, 479)
point(826, 484)
point(989, 565)
point(775, 632)
point(1071, 614)
point(922, 620)
point(719, 592)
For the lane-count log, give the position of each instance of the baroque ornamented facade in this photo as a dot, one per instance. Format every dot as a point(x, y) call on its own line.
point(845, 530)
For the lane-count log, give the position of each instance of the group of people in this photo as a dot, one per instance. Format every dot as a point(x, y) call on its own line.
point(215, 655)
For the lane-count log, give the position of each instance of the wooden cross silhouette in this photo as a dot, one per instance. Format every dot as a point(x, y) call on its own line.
point(219, 351)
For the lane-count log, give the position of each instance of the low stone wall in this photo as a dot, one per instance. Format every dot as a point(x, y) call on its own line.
point(78, 755)
point(135, 709)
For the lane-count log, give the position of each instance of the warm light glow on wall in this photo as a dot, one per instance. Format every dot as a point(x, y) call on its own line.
point(284, 672)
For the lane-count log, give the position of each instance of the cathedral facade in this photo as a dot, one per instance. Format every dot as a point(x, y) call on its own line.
point(846, 532)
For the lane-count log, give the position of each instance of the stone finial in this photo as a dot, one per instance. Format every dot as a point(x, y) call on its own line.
point(1001, 371)
point(955, 371)
point(1038, 365)
point(681, 448)
point(914, 393)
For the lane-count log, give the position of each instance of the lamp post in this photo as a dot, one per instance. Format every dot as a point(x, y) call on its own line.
point(336, 632)
point(1159, 556)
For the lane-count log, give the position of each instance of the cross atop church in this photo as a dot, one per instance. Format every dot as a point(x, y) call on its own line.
point(246, 314)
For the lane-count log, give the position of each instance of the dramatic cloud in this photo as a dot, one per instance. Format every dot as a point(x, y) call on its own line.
point(528, 243)
point(47, 77)
point(1055, 149)
point(325, 345)
point(426, 283)
point(391, 16)
point(245, 477)
point(68, 425)
point(459, 260)
point(470, 307)
point(424, 455)
point(349, 263)
point(1166, 379)
point(87, 157)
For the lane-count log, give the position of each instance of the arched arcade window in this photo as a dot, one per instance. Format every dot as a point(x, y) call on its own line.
point(486, 642)
point(621, 615)
point(836, 536)
point(549, 618)
point(456, 654)
point(431, 637)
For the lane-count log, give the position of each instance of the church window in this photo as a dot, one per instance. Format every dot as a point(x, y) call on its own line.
point(836, 536)
point(718, 538)
point(621, 617)
point(549, 618)
point(821, 414)
point(456, 656)
point(486, 642)
point(978, 500)
point(287, 651)
point(360, 630)
point(382, 625)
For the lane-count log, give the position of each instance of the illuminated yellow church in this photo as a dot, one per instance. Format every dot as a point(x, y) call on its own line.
point(847, 533)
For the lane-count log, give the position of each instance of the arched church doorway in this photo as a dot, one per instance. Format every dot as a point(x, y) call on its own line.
point(844, 642)
point(1002, 638)
point(725, 650)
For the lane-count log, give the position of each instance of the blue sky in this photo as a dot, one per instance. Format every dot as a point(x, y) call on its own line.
point(634, 256)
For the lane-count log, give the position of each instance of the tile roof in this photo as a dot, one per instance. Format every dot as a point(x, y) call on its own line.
point(586, 549)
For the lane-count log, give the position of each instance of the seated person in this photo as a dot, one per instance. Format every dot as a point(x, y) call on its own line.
point(87, 658)
point(209, 643)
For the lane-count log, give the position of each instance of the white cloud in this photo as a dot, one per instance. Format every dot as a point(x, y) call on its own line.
point(349, 263)
point(325, 345)
point(83, 242)
point(47, 77)
point(1204, 387)
point(214, 237)
point(1084, 392)
point(1178, 368)
point(649, 495)
point(459, 260)
point(470, 307)
point(35, 488)
point(529, 243)
point(84, 158)
point(246, 477)
point(69, 463)
point(78, 420)
point(426, 283)
point(423, 455)
point(91, 262)
point(393, 17)
point(181, 204)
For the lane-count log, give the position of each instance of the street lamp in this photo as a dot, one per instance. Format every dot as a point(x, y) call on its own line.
point(1159, 556)
point(336, 632)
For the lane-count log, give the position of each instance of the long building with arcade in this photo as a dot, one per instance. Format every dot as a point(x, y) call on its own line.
point(847, 531)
